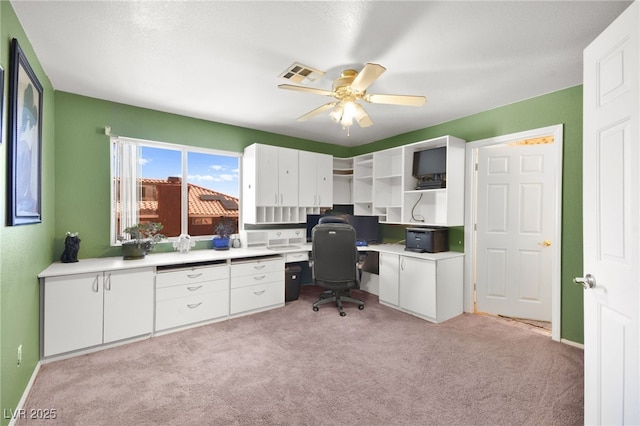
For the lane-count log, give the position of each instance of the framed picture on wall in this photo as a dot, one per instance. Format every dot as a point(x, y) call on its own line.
point(25, 141)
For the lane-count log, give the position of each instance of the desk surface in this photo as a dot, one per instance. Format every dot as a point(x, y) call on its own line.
point(206, 255)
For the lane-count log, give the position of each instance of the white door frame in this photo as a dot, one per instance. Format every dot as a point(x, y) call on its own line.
point(470, 193)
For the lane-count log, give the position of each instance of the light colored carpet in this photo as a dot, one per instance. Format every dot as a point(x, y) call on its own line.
point(293, 366)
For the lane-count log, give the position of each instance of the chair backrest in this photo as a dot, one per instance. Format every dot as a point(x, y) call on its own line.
point(335, 256)
point(332, 219)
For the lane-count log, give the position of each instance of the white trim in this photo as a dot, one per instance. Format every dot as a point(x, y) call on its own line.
point(176, 146)
point(572, 343)
point(25, 394)
point(470, 215)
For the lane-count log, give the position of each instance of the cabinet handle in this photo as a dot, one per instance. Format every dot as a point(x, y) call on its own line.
point(261, 277)
point(259, 266)
point(107, 283)
point(194, 275)
point(319, 200)
point(258, 293)
point(194, 305)
point(95, 287)
point(194, 288)
point(402, 264)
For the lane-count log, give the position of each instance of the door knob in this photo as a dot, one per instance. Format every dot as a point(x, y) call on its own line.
point(588, 281)
point(545, 243)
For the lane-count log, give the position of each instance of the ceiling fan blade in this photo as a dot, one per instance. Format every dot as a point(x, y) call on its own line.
point(305, 89)
point(362, 117)
point(407, 100)
point(317, 111)
point(368, 75)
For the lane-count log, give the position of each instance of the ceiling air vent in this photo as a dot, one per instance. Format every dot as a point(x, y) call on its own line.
point(299, 73)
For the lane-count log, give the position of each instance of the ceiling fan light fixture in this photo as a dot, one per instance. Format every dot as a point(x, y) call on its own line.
point(344, 113)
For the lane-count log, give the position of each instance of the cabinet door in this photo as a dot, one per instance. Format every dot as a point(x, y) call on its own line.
point(72, 312)
point(388, 278)
point(128, 303)
point(307, 189)
point(418, 286)
point(324, 180)
point(266, 184)
point(287, 177)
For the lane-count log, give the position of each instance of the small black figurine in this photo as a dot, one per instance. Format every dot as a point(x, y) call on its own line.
point(71, 248)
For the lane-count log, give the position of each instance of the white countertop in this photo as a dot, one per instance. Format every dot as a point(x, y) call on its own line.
point(206, 255)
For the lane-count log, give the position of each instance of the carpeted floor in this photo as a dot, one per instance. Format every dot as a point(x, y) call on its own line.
point(293, 366)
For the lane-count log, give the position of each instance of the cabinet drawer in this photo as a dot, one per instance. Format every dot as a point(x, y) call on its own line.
point(259, 278)
point(256, 296)
point(191, 289)
point(187, 310)
point(191, 275)
point(256, 267)
point(297, 257)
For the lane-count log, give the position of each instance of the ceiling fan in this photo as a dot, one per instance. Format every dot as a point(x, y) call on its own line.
point(350, 87)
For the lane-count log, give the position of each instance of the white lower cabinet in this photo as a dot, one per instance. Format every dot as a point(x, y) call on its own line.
point(388, 278)
point(85, 310)
point(429, 289)
point(256, 284)
point(189, 295)
point(418, 290)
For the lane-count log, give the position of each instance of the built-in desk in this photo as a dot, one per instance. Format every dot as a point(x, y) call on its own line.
point(427, 285)
point(98, 303)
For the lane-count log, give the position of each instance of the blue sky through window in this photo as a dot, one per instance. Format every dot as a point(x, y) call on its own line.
point(217, 172)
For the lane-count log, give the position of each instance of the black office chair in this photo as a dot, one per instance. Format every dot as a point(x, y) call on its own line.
point(335, 262)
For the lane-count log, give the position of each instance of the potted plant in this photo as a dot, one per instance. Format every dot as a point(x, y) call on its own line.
point(142, 239)
point(223, 230)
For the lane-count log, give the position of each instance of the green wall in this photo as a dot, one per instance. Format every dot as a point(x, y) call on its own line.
point(562, 107)
point(24, 250)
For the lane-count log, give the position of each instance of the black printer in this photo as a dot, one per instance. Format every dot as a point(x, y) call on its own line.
point(430, 240)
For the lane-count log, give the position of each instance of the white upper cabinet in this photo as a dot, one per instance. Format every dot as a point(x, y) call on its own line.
point(276, 175)
point(275, 178)
point(316, 180)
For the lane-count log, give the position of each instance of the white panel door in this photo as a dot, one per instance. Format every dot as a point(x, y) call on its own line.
point(515, 223)
point(611, 187)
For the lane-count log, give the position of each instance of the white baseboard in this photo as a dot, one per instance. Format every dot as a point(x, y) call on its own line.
point(25, 394)
point(570, 343)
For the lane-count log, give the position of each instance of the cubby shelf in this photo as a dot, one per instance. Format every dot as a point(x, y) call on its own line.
point(382, 184)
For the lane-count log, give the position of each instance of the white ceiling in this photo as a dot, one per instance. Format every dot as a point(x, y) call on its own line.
point(221, 60)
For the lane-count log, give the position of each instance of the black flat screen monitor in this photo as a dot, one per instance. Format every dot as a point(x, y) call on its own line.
point(430, 162)
point(366, 226)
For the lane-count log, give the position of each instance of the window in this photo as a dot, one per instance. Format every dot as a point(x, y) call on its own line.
point(186, 189)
